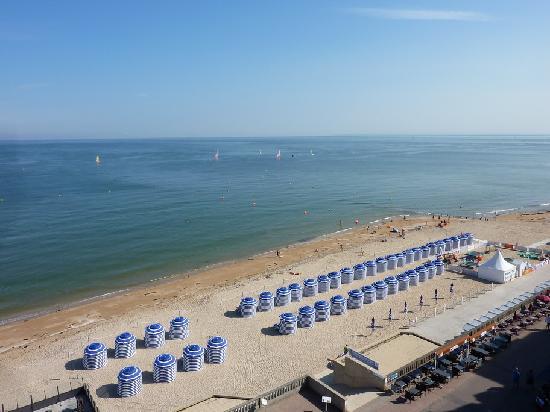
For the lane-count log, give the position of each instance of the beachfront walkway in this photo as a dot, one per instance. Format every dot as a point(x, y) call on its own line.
point(446, 326)
point(490, 387)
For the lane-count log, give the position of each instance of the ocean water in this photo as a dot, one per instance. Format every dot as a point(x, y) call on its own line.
point(71, 229)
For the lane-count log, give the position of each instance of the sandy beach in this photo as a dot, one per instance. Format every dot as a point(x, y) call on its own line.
point(41, 352)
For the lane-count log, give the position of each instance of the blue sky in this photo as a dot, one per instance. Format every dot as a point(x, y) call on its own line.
point(270, 68)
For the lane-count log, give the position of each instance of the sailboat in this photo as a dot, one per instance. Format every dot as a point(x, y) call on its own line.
point(260, 153)
point(278, 155)
point(311, 151)
point(217, 155)
point(97, 160)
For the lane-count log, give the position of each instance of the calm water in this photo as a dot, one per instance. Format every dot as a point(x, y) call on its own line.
point(71, 229)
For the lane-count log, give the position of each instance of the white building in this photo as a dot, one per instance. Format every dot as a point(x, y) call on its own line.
point(497, 269)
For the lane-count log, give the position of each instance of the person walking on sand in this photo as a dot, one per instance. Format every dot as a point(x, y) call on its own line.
point(451, 288)
point(390, 316)
point(421, 301)
point(515, 377)
point(372, 324)
point(278, 253)
point(435, 294)
point(405, 309)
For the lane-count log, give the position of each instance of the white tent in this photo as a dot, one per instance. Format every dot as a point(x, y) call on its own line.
point(497, 269)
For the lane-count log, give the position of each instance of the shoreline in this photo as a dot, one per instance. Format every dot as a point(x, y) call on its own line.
point(38, 354)
point(33, 314)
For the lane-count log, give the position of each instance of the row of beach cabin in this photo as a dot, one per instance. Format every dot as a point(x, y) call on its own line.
point(378, 290)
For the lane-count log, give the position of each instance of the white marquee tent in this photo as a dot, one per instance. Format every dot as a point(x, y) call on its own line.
point(497, 269)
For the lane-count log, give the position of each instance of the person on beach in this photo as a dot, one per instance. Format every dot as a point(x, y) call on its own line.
point(278, 253)
point(390, 316)
point(421, 301)
point(451, 288)
point(405, 309)
point(435, 294)
point(372, 324)
point(515, 377)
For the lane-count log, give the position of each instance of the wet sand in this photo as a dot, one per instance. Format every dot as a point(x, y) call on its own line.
point(49, 347)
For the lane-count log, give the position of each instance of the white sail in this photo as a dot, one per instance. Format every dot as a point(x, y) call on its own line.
point(278, 155)
point(97, 160)
point(217, 155)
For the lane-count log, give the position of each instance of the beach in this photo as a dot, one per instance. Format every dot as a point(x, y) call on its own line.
point(37, 354)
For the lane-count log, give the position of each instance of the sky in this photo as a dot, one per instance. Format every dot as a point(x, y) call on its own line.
point(133, 69)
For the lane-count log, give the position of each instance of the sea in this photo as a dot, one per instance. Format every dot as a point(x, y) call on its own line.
point(72, 229)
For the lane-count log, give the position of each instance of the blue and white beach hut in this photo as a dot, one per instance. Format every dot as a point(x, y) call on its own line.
point(400, 259)
point(287, 323)
point(310, 287)
point(417, 254)
point(95, 356)
point(403, 280)
point(439, 247)
point(155, 335)
point(422, 273)
point(371, 267)
point(381, 289)
point(456, 242)
point(463, 240)
point(392, 262)
point(369, 293)
point(306, 317)
point(266, 302)
point(431, 245)
point(335, 280)
point(179, 328)
point(381, 265)
point(323, 283)
point(425, 252)
point(359, 271)
point(439, 266)
point(338, 305)
point(192, 358)
point(295, 292)
point(470, 239)
point(355, 299)
point(346, 275)
point(282, 296)
point(431, 269)
point(130, 381)
point(393, 286)
point(413, 277)
point(409, 256)
point(448, 244)
point(216, 350)
point(322, 310)
point(125, 345)
point(164, 368)
point(247, 308)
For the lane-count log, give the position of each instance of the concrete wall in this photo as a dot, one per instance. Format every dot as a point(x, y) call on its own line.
point(321, 389)
point(356, 374)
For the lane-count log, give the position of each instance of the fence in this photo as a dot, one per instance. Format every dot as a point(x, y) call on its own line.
point(61, 392)
point(256, 403)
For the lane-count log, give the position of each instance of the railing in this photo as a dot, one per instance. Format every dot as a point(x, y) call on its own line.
point(256, 403)
point(51, 395)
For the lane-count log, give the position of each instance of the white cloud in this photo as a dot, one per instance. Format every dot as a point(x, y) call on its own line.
point(419, 14)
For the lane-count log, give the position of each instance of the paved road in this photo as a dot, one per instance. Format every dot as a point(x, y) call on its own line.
point(490, 387)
